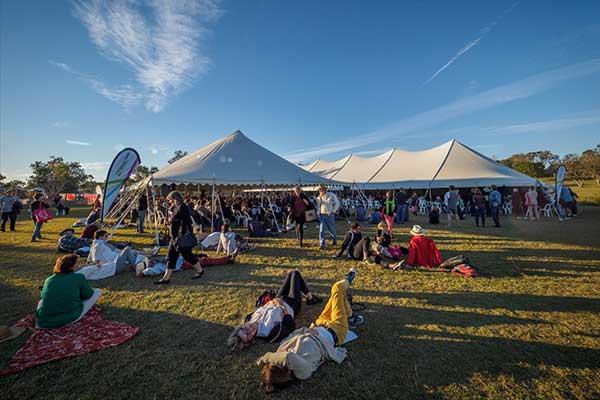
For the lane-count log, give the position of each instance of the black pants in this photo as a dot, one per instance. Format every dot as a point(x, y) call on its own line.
point(292, 289)
point(479, 213)
point(9, 215)
point(496, 215)
point(174, 253)
point(362, 249)
point(299, 229)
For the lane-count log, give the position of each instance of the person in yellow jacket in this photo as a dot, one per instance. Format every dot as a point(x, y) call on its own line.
point(305, 349)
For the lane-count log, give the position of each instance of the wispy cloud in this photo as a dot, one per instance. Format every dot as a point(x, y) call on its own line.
point(482, 33)
point(518, 90)
point(158, 40)
point(60, 124)
point(559, 124)
point(77, 143)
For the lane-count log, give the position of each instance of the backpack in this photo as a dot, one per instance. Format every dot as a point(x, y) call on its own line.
point(265, 297)
point(454, 261)
point(465, 270)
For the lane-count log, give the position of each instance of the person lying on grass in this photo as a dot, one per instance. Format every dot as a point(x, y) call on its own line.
point(68, 242)
point(301, 354)
point(227, 241)
point(275, 320)
point(66, 296)
point(158, 265)
point(105, 255)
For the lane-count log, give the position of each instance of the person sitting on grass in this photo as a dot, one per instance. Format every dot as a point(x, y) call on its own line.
point(301, 354)
point(274, 321)
point(422, 251)
point(105, 255)
point(66, 297)
point(434, 216)
point(227, 241)
point(68, 242)
point(382, 235)
point(353, 237)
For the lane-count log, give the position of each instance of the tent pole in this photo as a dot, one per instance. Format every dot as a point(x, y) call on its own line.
point(212, 208)
point(154, 211)
point(440, 168)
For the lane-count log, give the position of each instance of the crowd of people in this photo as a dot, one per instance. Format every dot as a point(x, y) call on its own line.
point(67, 295)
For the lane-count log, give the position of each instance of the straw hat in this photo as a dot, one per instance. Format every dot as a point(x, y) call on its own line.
point(417, 230)
point(9, 333)
point(381, 225)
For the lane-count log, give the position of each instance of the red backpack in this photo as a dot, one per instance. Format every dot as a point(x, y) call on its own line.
point(465, 270)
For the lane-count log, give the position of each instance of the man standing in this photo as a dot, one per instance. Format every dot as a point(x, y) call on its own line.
point(495, 199)
point(401, 206)
point(327, 205)
point(142, 208)
point(451, 201)
point(8, 203)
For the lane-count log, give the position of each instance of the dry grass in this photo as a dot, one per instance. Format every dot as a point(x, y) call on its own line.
point(528, 328)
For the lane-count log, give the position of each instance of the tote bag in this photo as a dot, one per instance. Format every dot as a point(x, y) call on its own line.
point(41, 214)
point(310, 215)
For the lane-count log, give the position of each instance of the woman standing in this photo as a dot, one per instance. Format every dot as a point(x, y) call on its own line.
point(388, 211)
point(181, 223)
point(299, 204)
point(37, 204)
point(478, 203)
point(531, 199)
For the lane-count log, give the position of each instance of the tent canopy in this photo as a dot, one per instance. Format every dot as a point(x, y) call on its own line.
point(451, 163)
point(235, 160)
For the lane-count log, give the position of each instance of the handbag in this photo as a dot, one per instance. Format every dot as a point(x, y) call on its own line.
point(310, 215)
point(186, 241)
point(42, 215)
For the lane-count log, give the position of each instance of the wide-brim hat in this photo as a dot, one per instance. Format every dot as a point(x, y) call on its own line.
point(417, 230)
point(66, 230)
point(10, 332)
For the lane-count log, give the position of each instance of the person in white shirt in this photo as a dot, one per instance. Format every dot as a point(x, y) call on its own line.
point(274, 321)
point(107, 257)
point(327, 206)
point(227, 241)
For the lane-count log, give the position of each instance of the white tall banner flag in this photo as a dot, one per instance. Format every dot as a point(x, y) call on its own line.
point(122, 167)
point(560, 178)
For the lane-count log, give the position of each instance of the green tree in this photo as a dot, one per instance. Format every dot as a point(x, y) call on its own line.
point(590, 163)
point(177, 155)
point(143, 172)
point(575, 168)
point(57, 175)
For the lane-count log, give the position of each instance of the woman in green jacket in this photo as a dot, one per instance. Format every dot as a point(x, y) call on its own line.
point(66, 296)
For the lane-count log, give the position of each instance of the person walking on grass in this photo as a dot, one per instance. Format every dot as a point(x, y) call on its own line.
point(478, 207)
point(8, 204)
point(451, 201)
point(388, 211)
point(495, 199)
point(327, 206)
point(141, 210)
point(401, 206)
point(181, 223)
point(37, 204)
point(300, 203)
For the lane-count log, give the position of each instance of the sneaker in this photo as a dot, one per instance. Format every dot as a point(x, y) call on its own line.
point(355, 321)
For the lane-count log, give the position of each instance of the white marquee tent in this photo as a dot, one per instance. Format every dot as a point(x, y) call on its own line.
point(451, 163)
point(235, 160)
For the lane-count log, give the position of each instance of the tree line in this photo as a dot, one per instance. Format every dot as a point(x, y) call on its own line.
point(543, 164)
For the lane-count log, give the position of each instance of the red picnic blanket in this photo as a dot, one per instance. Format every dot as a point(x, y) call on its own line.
point(91, 333)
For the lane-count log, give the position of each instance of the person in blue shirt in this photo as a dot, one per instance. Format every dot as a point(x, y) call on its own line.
point(495, 199)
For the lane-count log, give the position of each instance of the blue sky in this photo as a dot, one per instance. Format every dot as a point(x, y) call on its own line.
point(305, 79)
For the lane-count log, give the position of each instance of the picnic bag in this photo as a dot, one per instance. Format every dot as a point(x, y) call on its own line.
point(41, 214)
point(310, 215)
point(465, 270)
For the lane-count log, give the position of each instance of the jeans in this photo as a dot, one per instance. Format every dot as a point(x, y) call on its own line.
point(402, 213)
point(127, 257)
point(327, 224)
point(37, 232)
point(292, 289)
point(496, 214)
point(9, 215)
point(141, 220)
point(479, 213)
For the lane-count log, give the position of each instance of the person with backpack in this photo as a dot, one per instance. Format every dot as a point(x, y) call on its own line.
point(305, 349)
point(274, 320)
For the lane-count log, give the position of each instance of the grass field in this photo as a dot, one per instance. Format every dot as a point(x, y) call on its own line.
point(589, 193)
point(528, 329)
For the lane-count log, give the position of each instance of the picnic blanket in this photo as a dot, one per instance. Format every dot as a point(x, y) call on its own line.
point(91, 333)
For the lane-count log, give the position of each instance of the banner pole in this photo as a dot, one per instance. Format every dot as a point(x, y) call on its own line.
point(212, 208)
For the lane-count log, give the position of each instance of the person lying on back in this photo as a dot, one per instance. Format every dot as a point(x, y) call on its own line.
point(69, 242)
